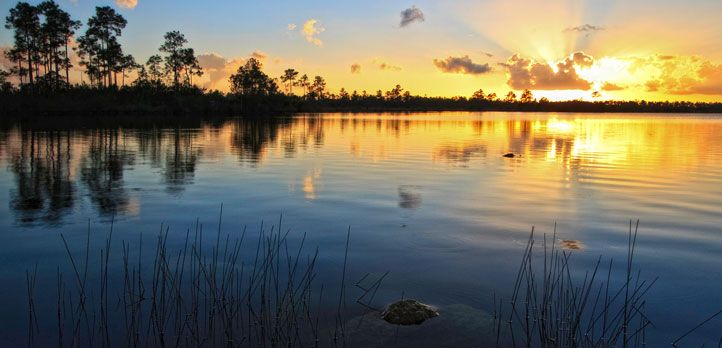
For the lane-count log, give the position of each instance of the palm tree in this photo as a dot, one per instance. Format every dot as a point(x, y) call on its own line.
point(289, 77)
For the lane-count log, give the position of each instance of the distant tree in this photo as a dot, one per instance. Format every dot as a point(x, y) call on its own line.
point(596, 94)
point(510, 97)
point(128, 64)
point(289, 78)
point(544, 100)
point(154, 69)
point(526, 96)
point(379, 95)
point(179, 60)
point(251, 80)
point(343, 94)
point(492, 97)
point(318, 87)
point(304, 82)
point(478, 95)
point(394, 93)
point(25, 22)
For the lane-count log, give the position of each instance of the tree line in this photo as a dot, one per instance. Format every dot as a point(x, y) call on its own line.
point(44, 36)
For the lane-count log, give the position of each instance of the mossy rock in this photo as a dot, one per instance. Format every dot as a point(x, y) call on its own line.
point(408, 312)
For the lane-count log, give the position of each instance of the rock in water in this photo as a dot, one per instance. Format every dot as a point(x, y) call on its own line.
point(408, 312)
point(509, 155)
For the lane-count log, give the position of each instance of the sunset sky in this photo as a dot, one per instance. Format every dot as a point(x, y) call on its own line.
point(561, 49)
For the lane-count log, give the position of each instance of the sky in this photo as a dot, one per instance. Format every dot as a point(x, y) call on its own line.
point(559, 49)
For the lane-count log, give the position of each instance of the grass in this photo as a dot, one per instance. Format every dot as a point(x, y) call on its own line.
point(211, 296)
point(187, 297)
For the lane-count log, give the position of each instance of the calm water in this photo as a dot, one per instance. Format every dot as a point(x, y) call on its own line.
point(428, 197)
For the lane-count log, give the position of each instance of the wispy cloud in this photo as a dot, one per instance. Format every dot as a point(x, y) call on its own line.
point(291, 26)
point(310, 31)
point(461, 65)
point(585, 28)
point(386, 66)
point(129, 4)
point(411, 15)
point(355, 68)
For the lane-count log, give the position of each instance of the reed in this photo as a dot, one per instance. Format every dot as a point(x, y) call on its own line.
point(551, 307)
point(197, 295)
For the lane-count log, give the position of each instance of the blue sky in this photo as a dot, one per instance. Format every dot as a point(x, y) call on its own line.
point(368, 33)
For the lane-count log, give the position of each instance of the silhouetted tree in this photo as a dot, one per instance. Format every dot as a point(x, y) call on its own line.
point(251, 80)
point(492, 97)
point(25, 22)
point(478, 95)
point(179, 60)
point(100, 44)
point(510, 97)
point(5, 85)
point(395, 93)
point(154, 69)
point(526, 96)
point(318, 87)
point(56, 31)
point(289, 78)
point(303, 82)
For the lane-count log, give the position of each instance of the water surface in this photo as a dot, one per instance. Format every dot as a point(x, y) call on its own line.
point(429, 197)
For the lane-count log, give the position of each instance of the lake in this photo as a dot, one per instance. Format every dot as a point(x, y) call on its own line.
point(428, 197)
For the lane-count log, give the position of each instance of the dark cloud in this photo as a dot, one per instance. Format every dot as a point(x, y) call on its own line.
point(411, 15)
point(528, 74)
point(355, 68)
point(488, 54)
point(461, 65)
point(612, 87)
point(586, 28)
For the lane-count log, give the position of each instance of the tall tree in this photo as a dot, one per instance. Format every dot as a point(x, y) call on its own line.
point(289, 78)
point(104, 28)
point(56, 30)
point(179, 60)
point(25, 22)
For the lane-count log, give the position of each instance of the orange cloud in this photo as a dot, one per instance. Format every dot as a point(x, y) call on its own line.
point(129, 4)
point(528, 74)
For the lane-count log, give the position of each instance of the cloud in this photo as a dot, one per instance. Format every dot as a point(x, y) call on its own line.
point(411, 15)
point(291, 27)
point(529, 74)
point(584, 28)
point(386, 66)
point(355, 68)
point(310, 30)
point(129, 4)
point(652, 85)
point(488, 54)
point(260, 55)
point(609, 87)
point(217, 68)
point(461, 65)
point(680, 75)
